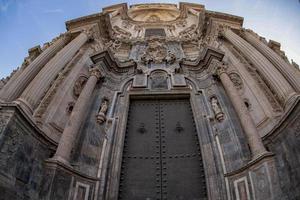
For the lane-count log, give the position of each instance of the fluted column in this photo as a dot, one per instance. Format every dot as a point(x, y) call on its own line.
point(70, 133)
point(278, 83)
point(289, 72)
point(15, 87)
point(256, 146)
point(32, 95)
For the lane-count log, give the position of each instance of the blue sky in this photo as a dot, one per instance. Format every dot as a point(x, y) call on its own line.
point(27, 23)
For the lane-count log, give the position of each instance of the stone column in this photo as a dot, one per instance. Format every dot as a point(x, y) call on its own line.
point(70, 133)
point(32, 95)
point(285, 69)
point(15, 87)
point(279, 84)
point(256, 146)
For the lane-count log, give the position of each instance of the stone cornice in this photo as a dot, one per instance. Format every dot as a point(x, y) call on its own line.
point(111, 65)
point(204, 59)
point(223, 16)
point(37, 133)
point(98, 19)
point(284, 121)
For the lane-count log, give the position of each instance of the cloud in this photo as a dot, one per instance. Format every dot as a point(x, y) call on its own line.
point(58, 10)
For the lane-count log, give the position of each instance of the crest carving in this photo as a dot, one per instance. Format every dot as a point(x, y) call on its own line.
point(157, 52)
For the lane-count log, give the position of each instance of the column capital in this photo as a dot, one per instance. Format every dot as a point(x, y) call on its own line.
point(90, 32)
point(221, 68)
point(221, 30)
point(94, 71)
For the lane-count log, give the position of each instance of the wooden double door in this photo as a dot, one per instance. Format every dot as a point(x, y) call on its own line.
point(161, 154)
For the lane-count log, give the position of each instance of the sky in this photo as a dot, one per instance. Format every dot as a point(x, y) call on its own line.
point(27, 23)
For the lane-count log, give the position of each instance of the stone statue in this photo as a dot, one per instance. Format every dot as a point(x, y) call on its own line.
point(101, 116)
point(219, 115)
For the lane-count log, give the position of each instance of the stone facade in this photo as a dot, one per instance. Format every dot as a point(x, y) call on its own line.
point(63, 113)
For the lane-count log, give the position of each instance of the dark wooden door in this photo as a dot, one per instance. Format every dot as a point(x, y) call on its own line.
point(161, 156)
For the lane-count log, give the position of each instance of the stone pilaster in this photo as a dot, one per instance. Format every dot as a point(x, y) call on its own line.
point(32, 95)
point(15, 87)
point(279, 84)
point(289, 72)
point(256, 146)
point(70, 133)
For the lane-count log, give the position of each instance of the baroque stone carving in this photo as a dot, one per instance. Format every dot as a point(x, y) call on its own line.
point(188, 33)
point(78, 85)
point(120, 33)
point(159, 80)
point(236, 79)
point(157, 52)
point(219, 115)
point(153, 18)
point(126, 24)
point(181, 23)
point(101, 116)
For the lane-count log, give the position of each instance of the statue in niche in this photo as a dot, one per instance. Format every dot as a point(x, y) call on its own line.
point(219, 115)
point(101, 116)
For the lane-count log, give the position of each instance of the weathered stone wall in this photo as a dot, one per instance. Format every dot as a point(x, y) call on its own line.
point(23, 152)
point(284, 143)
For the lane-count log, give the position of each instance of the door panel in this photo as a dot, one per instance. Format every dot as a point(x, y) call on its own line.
point(161, 156)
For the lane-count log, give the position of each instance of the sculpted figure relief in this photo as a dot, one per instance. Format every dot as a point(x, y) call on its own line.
point(101, 116)
point(219, 115)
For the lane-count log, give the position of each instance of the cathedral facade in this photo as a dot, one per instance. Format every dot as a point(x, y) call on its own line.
point(152, 101)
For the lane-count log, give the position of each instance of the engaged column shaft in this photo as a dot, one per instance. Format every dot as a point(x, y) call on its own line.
point(15, 87)
point(71, 130)
point(32, 95)
point(256, 146)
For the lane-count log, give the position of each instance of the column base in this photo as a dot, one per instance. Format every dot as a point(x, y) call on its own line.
point(61, 181)
point(60, 159)
point(290, 100)
point(24, 105)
